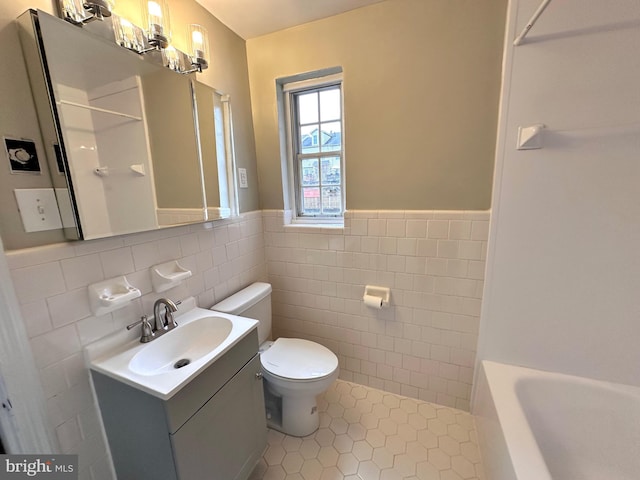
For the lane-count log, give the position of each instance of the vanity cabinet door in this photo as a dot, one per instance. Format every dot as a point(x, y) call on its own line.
point(225, 438)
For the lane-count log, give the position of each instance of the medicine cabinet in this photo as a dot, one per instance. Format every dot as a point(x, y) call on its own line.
point(136, 146)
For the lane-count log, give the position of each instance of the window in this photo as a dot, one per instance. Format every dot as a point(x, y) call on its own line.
point(316, 147)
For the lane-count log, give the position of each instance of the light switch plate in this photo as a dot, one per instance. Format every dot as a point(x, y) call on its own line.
point(38, 209)
point(242, 178)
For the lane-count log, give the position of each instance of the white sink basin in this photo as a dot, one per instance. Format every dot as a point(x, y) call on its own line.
point(200, 338)
point(185, 344)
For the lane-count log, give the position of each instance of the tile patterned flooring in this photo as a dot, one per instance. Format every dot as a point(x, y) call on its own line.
point(367, 434)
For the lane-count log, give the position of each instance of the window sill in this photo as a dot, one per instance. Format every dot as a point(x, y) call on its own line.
point(306, 227)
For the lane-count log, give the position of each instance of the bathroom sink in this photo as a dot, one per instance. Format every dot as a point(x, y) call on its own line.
point(182, 346)
point(165, 365)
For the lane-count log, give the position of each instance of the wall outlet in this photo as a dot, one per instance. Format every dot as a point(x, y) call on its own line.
point(242, 178)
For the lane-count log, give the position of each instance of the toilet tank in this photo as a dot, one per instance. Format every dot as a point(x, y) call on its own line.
point(254, 302)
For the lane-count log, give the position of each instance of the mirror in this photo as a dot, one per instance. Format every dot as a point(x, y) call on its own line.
point(137, 146)
point(213, 111)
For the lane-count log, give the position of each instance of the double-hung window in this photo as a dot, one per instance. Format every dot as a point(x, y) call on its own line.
point(316, 148)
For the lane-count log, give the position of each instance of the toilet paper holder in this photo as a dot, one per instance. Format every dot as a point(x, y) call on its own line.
point(376, 297)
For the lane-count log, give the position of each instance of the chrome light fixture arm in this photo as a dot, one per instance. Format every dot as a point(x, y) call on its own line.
point(95, 9)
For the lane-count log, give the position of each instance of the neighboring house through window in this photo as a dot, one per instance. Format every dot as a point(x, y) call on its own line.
point(315, 147)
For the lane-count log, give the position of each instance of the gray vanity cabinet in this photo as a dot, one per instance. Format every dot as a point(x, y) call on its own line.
point(223, 431)
point(212, 429)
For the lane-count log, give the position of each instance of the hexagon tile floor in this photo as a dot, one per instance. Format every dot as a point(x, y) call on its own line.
point(367, 434)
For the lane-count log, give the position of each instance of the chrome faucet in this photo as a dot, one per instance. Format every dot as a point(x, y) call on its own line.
point(161, 326)
point(169, 308)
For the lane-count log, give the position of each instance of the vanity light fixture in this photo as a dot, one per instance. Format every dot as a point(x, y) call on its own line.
point(157, 23)
point(155, 35)
point(171, 59)
point(196, 60)
point(127, 34)
point(80, 12)
point(198, 47)
point(176, 60)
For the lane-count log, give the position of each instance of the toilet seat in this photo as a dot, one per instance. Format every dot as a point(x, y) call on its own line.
point(299, 360)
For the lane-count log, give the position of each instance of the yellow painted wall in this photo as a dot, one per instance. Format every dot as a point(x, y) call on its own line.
point(421, 89)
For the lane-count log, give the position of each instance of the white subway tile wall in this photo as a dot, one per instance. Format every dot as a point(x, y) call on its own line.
point(51, 286)
point(424, 345)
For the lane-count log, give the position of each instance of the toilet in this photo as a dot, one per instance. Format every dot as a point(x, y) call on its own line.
point(294, 370)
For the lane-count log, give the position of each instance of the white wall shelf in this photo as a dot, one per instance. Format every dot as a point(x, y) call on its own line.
point(101, 110)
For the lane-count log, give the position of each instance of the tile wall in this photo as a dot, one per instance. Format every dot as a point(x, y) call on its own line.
point(424, 345)
point(51, 282)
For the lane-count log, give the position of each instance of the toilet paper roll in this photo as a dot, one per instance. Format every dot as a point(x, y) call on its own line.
point(373, 302)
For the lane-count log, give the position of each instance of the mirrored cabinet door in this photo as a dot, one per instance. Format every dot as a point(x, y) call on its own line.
point(141, 147)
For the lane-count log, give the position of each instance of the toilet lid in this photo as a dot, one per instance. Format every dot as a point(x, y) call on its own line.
point(298, 359)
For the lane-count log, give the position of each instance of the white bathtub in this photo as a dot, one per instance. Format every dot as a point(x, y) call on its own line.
point(535, 425)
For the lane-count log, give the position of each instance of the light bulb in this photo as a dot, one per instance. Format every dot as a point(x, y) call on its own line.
point(197, 38)
point(155, 10)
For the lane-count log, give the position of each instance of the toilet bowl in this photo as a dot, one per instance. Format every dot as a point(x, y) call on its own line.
point(294, 370)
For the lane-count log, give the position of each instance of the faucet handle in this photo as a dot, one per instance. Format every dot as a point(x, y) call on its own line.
point(135, 324)
point(171, 323)
point(169, 310)
point(147, 331)
point(168, 315)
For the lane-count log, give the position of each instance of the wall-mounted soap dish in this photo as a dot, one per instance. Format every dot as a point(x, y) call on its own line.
point(110, 295)
point(168, 275)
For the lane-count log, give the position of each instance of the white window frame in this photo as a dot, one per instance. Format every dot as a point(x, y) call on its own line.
point(288, 90)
